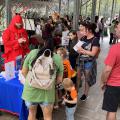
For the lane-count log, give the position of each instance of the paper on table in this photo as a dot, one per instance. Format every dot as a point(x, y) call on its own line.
point(78, 45)
point(2, 74)
point(9, 70)
point(1, 41)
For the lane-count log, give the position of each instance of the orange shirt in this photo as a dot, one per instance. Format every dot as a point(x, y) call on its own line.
point(68, 71)
point(73, 94)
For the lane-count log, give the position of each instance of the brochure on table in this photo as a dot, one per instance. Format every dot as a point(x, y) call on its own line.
point(9, 70)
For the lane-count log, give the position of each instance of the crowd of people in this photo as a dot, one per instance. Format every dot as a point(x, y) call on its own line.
point(55, 70)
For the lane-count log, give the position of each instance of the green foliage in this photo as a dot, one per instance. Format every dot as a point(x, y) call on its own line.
point(105, 8)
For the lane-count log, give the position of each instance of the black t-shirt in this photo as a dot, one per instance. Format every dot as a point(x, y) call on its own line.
point(89, 43)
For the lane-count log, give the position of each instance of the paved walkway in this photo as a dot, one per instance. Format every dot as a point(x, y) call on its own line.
point(91, 109)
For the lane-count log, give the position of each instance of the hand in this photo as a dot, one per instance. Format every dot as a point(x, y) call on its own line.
point(63, 97)
point(22, 82)
point(81, 50)
point(103, 85)
point(51, 25)
point(22, 40)
point(65, 100)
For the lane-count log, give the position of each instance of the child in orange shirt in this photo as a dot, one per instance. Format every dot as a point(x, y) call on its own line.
point(70, 98)
point(68, 71)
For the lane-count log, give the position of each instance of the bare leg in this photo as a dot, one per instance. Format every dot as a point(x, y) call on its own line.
point(87, 87)
point(86, 90)
point(56, 106)
point(111, 116)
point(47, 112)
point(78, 79)
point(32, 112)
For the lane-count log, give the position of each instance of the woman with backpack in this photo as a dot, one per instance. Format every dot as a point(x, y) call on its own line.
point(88, 52)
point(41, 68)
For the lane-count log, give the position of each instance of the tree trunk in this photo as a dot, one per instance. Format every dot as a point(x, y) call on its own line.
point(115, 5)
point(119, 15)
point(47, 9)
point(68, 5)
point(8, 11)
point(106, 8)
point(99, 7)
point(80, 6)
point(113, 2)
point(75, 14)
point(86, 10)
point(60, 6)
point(94, 2)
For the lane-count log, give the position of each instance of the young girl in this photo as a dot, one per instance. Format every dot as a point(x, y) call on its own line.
point(73, 55)
point(70, 98)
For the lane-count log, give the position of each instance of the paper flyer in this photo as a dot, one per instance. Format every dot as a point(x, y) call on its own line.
point(78, 45)
point(9, 70)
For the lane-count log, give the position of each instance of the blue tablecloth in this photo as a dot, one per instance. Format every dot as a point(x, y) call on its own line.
point(10, 97)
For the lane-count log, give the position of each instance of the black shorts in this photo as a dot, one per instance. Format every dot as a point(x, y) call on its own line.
point(111, 99)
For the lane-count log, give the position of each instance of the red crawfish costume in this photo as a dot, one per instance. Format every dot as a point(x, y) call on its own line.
point(10, 39)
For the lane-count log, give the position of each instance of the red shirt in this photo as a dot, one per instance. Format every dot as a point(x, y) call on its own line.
point(113, 60)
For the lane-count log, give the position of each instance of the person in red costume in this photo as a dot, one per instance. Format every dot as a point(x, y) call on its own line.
point(15, 40)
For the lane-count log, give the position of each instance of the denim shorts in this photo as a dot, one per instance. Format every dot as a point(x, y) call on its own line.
point(42, 104)
point(88, 65)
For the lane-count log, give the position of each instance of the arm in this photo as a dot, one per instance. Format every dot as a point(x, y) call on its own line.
point(26, 63)
point(109, 62)
point(74, 101)
point(59, 78)
point(92, 53)
point(25, 71)
point(106, 73)
point(60, 69)
point(7, 40)
point(26, 37)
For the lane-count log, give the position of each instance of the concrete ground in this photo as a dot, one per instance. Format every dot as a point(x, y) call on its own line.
point(90, 109)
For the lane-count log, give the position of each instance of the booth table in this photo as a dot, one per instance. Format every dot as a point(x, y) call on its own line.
point(10, 97)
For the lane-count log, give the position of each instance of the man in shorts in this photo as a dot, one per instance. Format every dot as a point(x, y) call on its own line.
point(110, 80)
